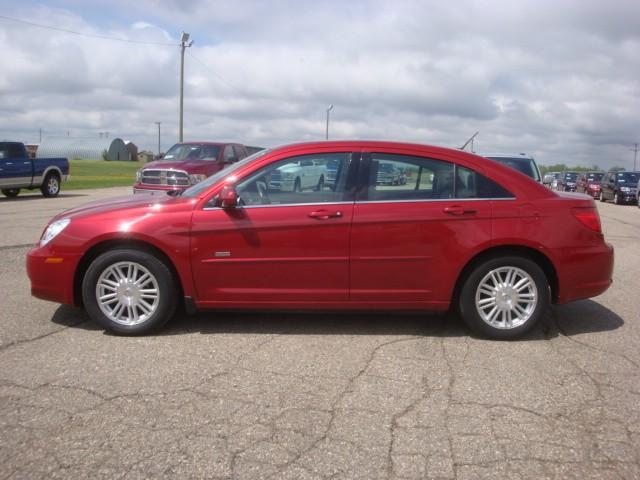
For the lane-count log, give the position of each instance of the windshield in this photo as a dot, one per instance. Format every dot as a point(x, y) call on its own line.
point(192, 151)
point(523, 165)
point(570, 176)
point(198, 188)
point(628, 177)
point(595, 177)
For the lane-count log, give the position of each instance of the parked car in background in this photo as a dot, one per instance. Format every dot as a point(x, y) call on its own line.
point(589, 183)
point(518, 161)
point(186, 164)
point(307, 173)
point(18, 170)
point(464, 233)
point(390, 174)
point(621, 187)
point(567, 182)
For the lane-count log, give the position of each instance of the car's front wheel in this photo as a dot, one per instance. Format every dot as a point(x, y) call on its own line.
point(616, 198)
point(602, 196)
point(129, 292)
point(503, 298)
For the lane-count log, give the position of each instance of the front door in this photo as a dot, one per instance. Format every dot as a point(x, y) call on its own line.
point(281, 246)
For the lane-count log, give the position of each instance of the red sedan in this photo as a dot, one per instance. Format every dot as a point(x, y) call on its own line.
point(462, 232)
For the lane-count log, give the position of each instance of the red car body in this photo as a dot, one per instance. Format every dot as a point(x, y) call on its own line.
point(589, 183)
point(188, 166)
point(351, 254)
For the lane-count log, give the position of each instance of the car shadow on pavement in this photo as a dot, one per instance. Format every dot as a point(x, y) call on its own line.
point(34, 196)
point(585, 316)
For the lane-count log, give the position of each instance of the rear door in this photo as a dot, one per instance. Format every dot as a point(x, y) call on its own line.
point(15, 167)
point(410, 240)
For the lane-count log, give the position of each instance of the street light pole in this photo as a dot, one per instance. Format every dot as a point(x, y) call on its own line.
point(635, 156)
point(327, 130)
point(158, 123)
point(184, 43)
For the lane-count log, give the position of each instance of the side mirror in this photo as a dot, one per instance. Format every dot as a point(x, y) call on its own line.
point(228, 197)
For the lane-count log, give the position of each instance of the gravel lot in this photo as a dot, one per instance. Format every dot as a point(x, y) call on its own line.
point(292, 396)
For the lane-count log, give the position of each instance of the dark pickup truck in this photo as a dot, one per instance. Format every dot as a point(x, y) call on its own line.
point(18, 171)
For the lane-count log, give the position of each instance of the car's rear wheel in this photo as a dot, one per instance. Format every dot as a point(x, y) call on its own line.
point(505, 297)
point(129, 292)
point(616, 198)
point(320, 185)
point(51, 185)
point(10, 192)
point(297, 185)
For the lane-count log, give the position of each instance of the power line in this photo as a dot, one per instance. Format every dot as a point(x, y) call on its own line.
point(82, 34)
point(210, 70)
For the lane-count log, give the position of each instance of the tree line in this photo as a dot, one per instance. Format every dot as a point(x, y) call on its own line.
point(561, 167)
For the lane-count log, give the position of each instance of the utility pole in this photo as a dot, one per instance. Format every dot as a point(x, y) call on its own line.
point(635, 156)
point(41, 136)
point(184, 43)
point(326, 136)
point(158, 123)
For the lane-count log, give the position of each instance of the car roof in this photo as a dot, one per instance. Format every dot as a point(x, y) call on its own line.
point(508, 155)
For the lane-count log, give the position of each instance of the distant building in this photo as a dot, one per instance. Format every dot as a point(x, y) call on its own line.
point(100, 148)
point(32, 149)
point(132, 148)
point(145, 156)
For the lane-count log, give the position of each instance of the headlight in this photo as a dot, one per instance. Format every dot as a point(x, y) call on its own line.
point(196, 178)
point(139, 176)
point(53, 230)
point(287, 174)
point(625, 189)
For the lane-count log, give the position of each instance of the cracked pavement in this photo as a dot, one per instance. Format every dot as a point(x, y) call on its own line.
point(316, 396)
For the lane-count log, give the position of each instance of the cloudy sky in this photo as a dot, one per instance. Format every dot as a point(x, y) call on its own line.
point(557, 79)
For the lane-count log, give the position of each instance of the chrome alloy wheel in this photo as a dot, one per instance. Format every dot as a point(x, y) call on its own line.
point(53, 186)
point(506, 297)
point(127, 293)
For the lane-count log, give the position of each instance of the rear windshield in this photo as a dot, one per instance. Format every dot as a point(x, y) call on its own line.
point(628, 177)
point(523, 165)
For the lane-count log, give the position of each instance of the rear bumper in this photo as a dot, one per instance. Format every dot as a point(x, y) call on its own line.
point(587, 272)
point(51, 274)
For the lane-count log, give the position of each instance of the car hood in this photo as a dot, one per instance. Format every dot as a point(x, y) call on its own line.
point(177, 164)
point(120, 205)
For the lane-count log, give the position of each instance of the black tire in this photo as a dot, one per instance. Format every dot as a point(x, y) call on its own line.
point(602, 197)
point(51, 185)
point(166, 286)
point(297, 185)
point(320, 185)
point(467, 301)
point(10, 192)
point(616, 198)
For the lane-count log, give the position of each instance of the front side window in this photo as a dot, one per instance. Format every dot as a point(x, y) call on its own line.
point(317, 178)
point(399, 177)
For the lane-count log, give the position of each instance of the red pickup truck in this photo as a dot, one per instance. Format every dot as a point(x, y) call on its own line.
point(186, 164)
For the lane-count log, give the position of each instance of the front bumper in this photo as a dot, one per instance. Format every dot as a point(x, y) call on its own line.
point(139, 188)
point(51, 274)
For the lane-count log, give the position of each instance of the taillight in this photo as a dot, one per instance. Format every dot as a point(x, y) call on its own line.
point(588, 216)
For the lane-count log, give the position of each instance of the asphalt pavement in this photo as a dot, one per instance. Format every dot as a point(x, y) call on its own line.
point(316, 396)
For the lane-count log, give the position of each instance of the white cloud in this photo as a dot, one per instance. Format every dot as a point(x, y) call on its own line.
point(556, 80)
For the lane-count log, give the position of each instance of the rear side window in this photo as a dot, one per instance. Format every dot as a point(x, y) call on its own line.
point(400, 177)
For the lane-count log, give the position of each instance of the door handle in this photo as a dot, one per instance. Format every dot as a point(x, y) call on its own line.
point(458, 210)
point(325, 214)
